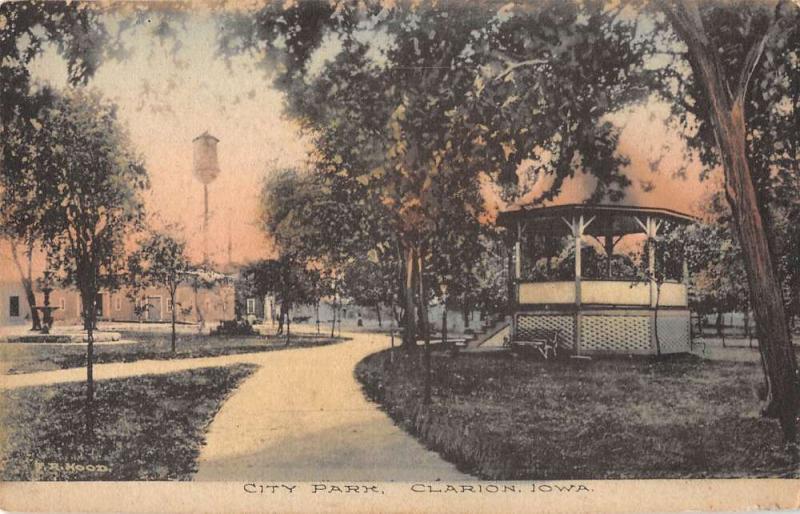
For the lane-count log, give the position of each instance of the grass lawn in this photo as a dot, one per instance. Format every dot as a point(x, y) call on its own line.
point(146, 428)
point(26, 358)
point(502, 418)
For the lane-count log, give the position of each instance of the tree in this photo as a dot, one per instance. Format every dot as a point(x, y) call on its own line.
point(406, 113)
point(715, 262)
point(732, 51)
point(27, 29)
point(382, 116)
point(89, 183)
point(550, 75)
point(370, 284)
point(662, 259)
point(469, 272)
point(726, 47)
point(26, 272)
point(381, 124)
point(325, 224)
point(299, 214)
point(160, 261)
point(290, 283)
point(20, 223)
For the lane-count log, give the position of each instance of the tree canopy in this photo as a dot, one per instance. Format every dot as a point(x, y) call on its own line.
point(160, 261)
point(410, 106)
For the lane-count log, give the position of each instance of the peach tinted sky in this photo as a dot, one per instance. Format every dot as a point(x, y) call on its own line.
point(167, 99)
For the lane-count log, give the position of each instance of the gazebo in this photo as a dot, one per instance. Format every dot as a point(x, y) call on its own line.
point(594, 299)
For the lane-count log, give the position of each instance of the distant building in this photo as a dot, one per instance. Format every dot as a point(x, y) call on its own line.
point(153, 305)
point(14, 308)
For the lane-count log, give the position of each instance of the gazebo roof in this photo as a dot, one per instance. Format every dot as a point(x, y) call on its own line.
point(607, 219)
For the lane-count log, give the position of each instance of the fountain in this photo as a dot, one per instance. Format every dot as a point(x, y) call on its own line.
point(46, 286)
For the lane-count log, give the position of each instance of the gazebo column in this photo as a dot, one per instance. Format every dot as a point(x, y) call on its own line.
point(518, 253)
point(685, 278)
point(652, 233)
point(577, 232)
point(650, 227)
point(518, 261)
point(608, 246)
point(577, 227)
point(685, 270)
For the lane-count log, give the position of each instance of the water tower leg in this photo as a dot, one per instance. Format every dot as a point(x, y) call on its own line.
point(205, 223)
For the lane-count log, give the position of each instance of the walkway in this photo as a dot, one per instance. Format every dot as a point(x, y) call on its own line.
point(302, 417)
point(124, 370)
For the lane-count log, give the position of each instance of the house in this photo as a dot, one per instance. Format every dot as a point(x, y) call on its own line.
point(153, 305)
point(14, 309)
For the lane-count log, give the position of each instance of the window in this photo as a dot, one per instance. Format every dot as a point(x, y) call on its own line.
point(251, 306)
point(118, 303)
point(62, 303)
point(13, 306)
point(169, 305)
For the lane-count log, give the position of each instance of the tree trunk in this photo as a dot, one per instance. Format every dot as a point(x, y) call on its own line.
point(288, 324)
point(378, 312)
point(608, 246)
point(27, 285)
point(90, 377)
point(511, 292)
point(726, 112)
point(453, 347)
point(444, 321)
point(426, 330)
point(333, 321)
point(280, 322)
point(655, 320)
point(410, 325)
point(282, 317)
point(88, 299)
point(316, 309)
point(400, 308)
point(172, 302)
point(395, 314)
point(200, 318)
point(747, 326)
point(720, 329)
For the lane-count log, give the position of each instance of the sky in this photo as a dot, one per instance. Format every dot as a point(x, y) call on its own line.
point(168, 98)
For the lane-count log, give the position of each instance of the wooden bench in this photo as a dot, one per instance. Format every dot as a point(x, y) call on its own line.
point(543, 340)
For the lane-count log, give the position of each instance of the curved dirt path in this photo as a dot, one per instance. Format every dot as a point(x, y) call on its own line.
point(302, 416)
point(114, 370)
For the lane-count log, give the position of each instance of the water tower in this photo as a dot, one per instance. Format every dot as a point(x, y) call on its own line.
point(206, 169)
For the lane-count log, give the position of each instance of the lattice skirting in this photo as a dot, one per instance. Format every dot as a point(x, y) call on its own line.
point(612, 331)
point(527, 322)
point(674, 332)
point(617, 333)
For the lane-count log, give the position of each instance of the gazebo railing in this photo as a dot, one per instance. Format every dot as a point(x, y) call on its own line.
point(602, 292)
